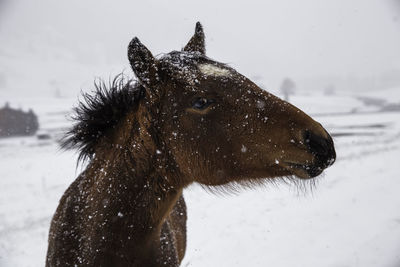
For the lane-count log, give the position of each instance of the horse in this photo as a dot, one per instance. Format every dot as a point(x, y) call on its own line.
point(185, 119)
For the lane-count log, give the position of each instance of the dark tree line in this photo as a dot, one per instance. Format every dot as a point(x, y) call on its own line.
point(15, 122)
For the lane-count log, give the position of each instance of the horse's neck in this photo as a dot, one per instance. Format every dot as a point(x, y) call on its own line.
point(128, 209)
point(125, 212)
point(136, 189)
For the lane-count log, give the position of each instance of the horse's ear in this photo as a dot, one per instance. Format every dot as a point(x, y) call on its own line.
point(143, 64)
point(197, 43)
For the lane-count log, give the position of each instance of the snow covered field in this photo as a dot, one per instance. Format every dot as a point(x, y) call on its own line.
point(351, 218)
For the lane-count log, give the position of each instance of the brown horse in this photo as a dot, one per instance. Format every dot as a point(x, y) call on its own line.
point(187, 119)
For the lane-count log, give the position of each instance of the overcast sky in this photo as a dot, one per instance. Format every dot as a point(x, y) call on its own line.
point(272, 39)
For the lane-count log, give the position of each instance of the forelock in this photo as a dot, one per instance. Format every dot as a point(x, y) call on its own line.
point(181, 65)
point(188, 66)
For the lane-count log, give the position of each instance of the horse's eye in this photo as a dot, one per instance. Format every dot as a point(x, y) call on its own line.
point(201, 103)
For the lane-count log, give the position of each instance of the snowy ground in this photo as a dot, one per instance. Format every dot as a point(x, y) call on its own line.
point(352, 217)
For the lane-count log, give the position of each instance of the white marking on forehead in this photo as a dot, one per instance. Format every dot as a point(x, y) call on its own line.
point(212, 70)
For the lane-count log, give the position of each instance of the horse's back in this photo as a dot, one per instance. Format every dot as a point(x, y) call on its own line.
point(67, 227)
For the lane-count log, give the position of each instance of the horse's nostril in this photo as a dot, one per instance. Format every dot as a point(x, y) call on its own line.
point(322, 148)
point(315, 143)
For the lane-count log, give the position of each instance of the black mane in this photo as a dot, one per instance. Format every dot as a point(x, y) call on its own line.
point(99, 112)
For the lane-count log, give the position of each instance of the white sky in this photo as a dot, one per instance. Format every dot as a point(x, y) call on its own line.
point(272, 39)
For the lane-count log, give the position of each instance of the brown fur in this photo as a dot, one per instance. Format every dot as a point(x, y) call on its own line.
point(126, 208)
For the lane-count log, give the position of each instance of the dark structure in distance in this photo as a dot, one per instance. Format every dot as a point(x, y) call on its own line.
point(15, 122)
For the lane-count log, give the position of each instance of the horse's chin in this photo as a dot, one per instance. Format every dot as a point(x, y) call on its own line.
point(303, 171)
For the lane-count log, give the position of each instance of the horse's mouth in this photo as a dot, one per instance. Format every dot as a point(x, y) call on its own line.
point(303, 171)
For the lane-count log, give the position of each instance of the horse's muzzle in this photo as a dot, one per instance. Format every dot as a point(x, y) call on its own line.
point(323, 150)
